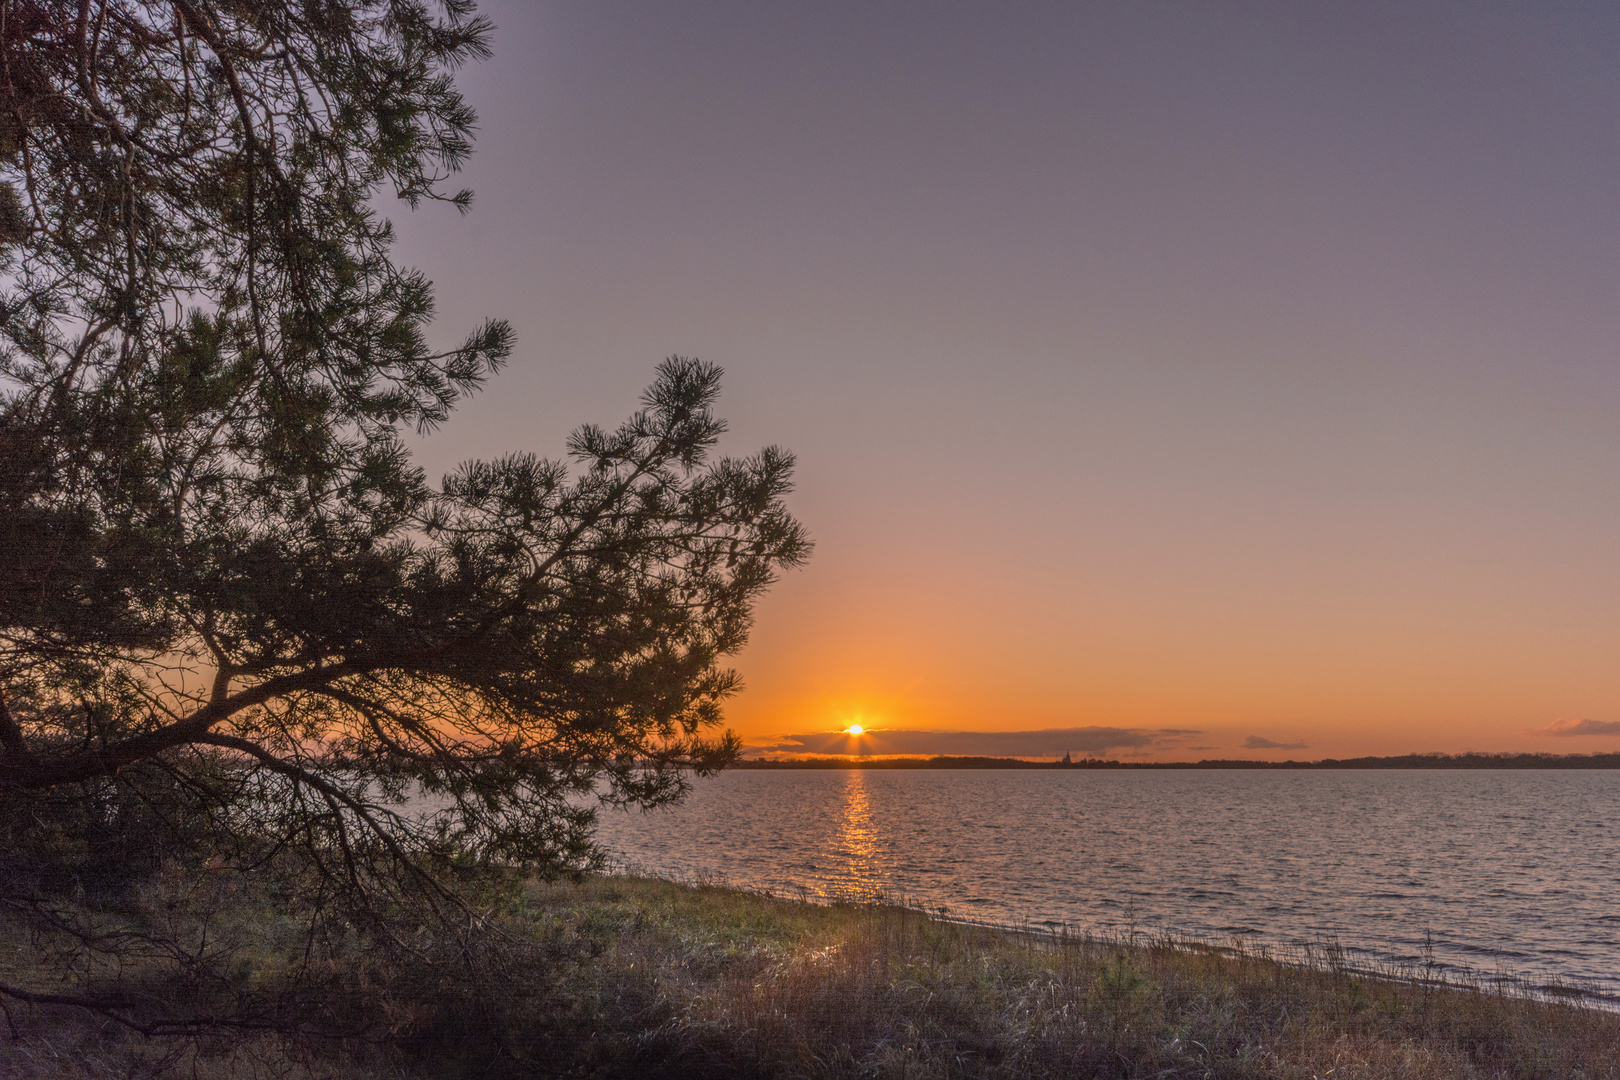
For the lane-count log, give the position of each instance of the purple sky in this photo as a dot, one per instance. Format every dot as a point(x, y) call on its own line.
point(1240, 368)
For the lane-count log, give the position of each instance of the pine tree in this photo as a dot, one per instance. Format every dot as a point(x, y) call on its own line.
point(237, 623)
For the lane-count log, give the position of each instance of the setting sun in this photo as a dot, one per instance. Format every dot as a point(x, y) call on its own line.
point(854, 729)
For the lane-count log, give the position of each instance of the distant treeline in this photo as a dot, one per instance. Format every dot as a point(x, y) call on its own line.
point(919, 763)
point(1405, 761)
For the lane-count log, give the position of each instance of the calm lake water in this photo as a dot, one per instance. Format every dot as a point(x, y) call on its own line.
point(1507, 872)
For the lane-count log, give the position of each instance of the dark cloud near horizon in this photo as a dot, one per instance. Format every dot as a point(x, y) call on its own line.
point(1579, 727)
point(1047, 742)
point(1260, 742)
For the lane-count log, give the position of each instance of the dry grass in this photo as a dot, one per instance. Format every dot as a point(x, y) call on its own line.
point(618, 976)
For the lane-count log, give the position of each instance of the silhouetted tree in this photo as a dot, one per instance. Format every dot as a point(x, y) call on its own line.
point(235, 619)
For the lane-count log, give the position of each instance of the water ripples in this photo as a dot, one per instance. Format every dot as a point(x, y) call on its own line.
point(1497, 871)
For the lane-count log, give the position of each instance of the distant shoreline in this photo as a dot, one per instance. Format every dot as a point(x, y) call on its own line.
point(1405, 761)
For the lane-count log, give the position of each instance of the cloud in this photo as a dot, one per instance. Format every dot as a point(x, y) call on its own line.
point(1260, 742)
point(1579, 727)
point(1047, 742)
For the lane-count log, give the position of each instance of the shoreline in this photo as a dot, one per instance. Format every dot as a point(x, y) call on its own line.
point(1302, 956)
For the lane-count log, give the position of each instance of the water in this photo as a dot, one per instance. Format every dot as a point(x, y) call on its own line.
point(1502, 872)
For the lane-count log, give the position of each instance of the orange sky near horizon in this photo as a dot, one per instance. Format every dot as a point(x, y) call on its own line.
point(913, 654)
point(1244, 370)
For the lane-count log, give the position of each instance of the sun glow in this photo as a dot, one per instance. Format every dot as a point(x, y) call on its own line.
point(854, 729)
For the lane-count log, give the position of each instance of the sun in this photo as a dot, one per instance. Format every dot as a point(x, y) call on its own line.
point(854, 729)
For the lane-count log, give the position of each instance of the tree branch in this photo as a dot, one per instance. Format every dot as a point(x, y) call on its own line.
point(34, 772)
point(332, 794)
point(11, 738)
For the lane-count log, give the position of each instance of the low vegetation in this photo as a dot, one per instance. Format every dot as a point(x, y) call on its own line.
point(622, 976)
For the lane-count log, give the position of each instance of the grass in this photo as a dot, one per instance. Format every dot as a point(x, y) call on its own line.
point(623, 976)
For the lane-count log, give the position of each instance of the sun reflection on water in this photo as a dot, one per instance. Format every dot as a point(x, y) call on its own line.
point(856, 843)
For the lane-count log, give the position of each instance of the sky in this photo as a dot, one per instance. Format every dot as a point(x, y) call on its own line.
point(1167, 380)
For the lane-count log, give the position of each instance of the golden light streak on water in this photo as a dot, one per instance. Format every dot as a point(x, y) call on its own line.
point(857, 842)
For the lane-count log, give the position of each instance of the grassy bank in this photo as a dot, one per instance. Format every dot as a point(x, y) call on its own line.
point(615, 976)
